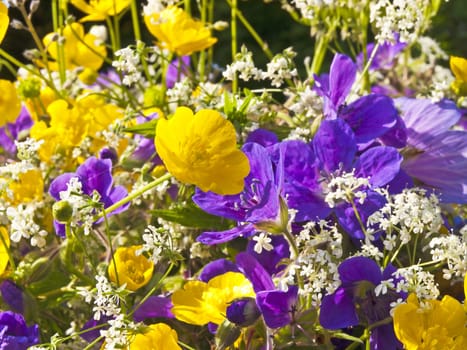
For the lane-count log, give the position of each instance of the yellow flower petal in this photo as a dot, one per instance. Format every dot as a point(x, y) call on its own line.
point(178, 32)
point(100, 10)
point(4, 249)
point(10, 104)
point(201, 149)
point(4, 20)
point(459, 68)
point(157, 336)
point(199, 303)
point(132, 270)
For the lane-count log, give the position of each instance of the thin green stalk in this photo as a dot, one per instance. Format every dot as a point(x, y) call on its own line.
point(109, 238)
point(136, 194)
point(153, 289)
point(135, 20)
point(321, 45)
point(202, 54)
point(113, 41)
point(68, 256)
point(233, 39)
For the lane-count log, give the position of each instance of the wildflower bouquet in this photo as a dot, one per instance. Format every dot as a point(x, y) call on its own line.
point(151, 199)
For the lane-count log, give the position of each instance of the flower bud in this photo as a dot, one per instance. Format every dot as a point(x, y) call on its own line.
point(227, 333)
point(243, 312)
point(62, 211)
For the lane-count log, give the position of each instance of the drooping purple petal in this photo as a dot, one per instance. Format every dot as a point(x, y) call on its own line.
point(337, 310)
point(277, 306)
point(12, 295)
point(59, 184)
point(96, 174)
point(383, 337)
point(262, 136)
point(425, 119)
point(385, 55)
point(255, 272)
point(177, 69)
point(116, 194)
point(334, 145)
point(155, 306)
point(216, 268)
point(370, 117)
point(379, 164)
point(397, 135)
point(359, 268)
point(217, 237)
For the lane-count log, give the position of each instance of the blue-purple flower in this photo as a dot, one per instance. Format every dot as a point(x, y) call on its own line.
point(15, 334)
point(95, 178)
point(356, 301)
point(435, 156)
point(258, 204)
point(13, 131)
point(370, 116)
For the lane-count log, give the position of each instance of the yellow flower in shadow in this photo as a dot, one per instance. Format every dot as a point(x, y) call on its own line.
point(4, 247)
point(434, 324)
point(27, 188)
point(99, 10)
point(459, 69)
point(199, 303)
point(4, 20)
point(157, 336)
point(201, 149)
point(132, 270)
point(178, 32)
point(79, 49)
point(10, 104)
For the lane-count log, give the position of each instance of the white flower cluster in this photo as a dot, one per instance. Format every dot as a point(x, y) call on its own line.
point(27, 149)
point(409, 212)
point(127, 63)
point(320, 251)
point(83, 206)
point(157, 241)
point(414, 279)
point(346, 188)
point(23, 225)
point(156, 6)
point(281, 68)
point(306, 102)
point(181, 93)
point(244, 65)
point(117, 335)
point(404, 17)
point(453, 250)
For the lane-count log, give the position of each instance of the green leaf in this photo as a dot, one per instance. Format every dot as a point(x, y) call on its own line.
point(146, 129)
point(192, 216)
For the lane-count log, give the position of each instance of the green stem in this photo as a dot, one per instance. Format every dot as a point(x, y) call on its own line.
point(135, 20)
point(202, 54)
point(68, 257)
point(233, 39)
point(153, 289)
point(113, 41)
point(136, 194)
point(109, 238)
point(264, 46)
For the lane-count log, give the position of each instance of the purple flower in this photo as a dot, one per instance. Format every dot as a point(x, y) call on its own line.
point(355, 302)
point(435, 156)
point(385, 55)
point(12, 295)
point(15, 334)
point(146, 149)
point(370, 116)
point(95, 175)
point(155, 306)
point(258, 204)
point(13, 131)
point(177, 69)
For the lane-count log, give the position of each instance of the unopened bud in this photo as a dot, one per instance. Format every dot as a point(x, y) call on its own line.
point(227, 333)
point(62, 211)
point(243, 312)
point(34, 6)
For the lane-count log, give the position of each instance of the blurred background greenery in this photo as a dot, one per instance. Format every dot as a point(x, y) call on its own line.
point(273, 24)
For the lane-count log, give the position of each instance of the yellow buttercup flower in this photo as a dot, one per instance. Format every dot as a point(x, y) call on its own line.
point(199, 303)
point(132, 270)
point(4, 20)
point(10, 105)
point(459, 69)
point(29, 187)
point(436, 325)
point(201, 149)
point(178, 32)
point(80, 49)
point(4, 249)
point(157, 336)
point(99, 10)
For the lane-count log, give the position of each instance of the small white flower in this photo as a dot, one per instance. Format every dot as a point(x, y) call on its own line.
point(263, 241)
